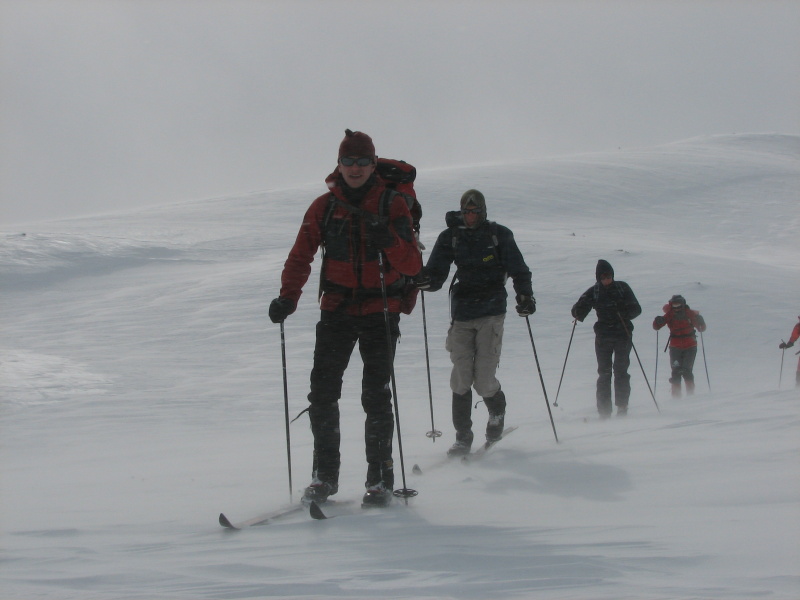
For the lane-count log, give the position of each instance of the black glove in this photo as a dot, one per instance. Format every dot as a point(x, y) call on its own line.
point(574, 313)
point(526, 305)
point(785, 345)
point(378, 234)
point(280, 308)
point(660, 321)
point(422, 281)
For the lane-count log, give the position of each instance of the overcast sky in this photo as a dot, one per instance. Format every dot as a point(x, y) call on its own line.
point(114, 104)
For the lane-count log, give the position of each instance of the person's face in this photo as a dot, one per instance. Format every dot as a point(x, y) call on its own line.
point(606, 279)
point(471, 216)
point(357, 171)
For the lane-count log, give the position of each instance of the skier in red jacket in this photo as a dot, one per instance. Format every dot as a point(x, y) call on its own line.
point(789, 344)
point(682, 322)
point(359, 224)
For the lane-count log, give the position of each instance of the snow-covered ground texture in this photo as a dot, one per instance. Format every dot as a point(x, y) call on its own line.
point(142, 394)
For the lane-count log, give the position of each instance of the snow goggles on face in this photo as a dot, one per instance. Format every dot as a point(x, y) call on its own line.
point(472, 211)
point(349, 161)
point(676, 305)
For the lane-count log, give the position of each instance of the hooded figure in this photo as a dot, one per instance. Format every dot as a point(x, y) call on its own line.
point(615, 305)
point(682, 322)
point(473, 202)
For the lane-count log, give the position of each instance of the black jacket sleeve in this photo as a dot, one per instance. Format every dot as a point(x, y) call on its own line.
point(584, 305)
point(514, 262)
point(442, 256)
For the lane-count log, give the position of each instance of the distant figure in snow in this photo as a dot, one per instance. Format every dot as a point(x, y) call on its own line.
point(789, 344)
point(683, 322)
point(615, 306)
point(345, 221)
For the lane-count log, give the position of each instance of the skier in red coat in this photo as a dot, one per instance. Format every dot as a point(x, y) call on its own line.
point(683, 322)
point(789, 344)
point(367, 238)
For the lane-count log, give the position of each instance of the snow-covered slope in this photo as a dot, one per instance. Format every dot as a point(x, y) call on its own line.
point(141, 388)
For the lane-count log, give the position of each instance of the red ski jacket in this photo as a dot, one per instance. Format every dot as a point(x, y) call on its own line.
point(795, 334)
point(350, 269)
point(682, 325)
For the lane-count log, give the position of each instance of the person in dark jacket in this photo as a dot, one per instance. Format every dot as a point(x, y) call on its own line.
point(485, 255)
point(615, 306)
point(683, 322)
point(792, 339)
point(346, 221)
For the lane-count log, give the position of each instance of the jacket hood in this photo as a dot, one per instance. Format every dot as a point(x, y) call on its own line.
point(603, 266)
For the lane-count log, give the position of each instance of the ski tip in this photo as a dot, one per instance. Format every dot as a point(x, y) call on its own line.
point(416, 470)
point(316, 512)
point(225, 522)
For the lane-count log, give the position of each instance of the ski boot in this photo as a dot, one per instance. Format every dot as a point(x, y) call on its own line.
point(377, 496)
point(462, 446)
point(318, 492)
point(494, 428)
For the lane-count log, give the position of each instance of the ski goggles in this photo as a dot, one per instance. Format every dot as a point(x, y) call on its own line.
point(472, 211)
point(349, 161)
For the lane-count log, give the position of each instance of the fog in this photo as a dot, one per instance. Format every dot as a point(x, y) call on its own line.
point(120, 104)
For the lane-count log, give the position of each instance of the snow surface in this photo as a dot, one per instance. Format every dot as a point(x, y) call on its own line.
point(142, 394)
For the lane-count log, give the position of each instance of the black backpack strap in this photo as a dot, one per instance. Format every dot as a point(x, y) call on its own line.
point(324, 227)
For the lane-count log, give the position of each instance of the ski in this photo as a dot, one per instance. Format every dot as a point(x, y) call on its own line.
point(417, 470)
point(263, 519)
point(280, 513)
point(480, 452)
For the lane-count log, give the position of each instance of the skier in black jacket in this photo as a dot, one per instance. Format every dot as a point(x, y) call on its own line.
point(615, 305)
point(485, 255)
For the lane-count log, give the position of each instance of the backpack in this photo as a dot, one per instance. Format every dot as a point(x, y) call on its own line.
point(399, 176)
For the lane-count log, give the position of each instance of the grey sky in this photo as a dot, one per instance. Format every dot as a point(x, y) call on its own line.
point(109, 104)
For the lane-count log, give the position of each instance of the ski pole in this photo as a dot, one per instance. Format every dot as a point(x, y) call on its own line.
point(433, 433)
point(655, 377)
point(541, 379)
point(286, 410)
point(564, 368)
point(641, 366)
point(705, 364)
point(404, 492)
point(783, 355)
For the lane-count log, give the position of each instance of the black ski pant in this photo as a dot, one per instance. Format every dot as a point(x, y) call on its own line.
point(613, 356)
point(337, 335)
point(682, 362)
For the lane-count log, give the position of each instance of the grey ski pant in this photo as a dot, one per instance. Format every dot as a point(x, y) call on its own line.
point(474, 348)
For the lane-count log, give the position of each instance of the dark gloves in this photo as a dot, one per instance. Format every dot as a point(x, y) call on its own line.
point(660, 321)
point(378, 234)
point(280, 308)
point(574, 313)
point(526, 305)
point(785, 345)
point(422, 281)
